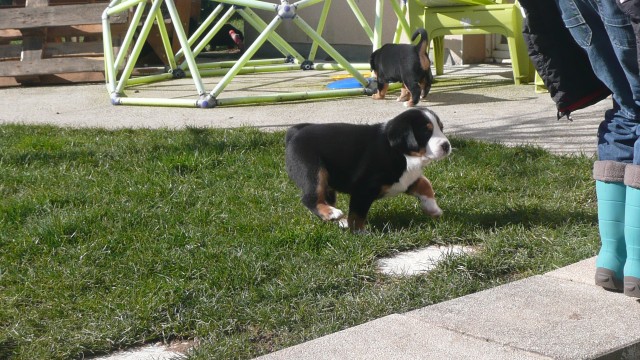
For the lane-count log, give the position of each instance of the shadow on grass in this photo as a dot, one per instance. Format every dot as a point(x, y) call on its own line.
point(527, 217)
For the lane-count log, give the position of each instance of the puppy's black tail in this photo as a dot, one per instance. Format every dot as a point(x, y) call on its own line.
point(424, 37)
point(372, 62)
point(422, 47)
point(293, 131)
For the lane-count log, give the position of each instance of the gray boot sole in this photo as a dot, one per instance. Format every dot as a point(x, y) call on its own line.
point(606, 279)
point(632, 286)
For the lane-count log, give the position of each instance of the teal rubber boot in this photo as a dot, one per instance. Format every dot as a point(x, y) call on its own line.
point(632, 231)
point(611, 193)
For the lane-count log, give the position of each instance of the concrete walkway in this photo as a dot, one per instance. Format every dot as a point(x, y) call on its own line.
point(478, 102)
point(558, 315)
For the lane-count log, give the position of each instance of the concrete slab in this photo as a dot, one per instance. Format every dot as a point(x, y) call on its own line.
point(544, 315)
point(150, 352)
point(419, 261)
point(400, 337)
point(558, 315)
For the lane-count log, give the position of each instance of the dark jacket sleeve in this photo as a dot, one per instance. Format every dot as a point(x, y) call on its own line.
point(632, 8)
point(560, 61)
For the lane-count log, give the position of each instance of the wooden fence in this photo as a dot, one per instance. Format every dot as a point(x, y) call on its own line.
point(54, 41)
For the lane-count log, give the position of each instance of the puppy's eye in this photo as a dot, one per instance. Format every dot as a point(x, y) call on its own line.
point(430, 126)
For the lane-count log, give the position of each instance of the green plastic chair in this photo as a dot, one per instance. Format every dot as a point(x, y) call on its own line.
point(461, 17)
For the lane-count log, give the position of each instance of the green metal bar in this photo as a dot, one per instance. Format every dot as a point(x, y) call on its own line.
point(219, 69)
point(305, 3)
point(397, 34)
point(142, 80)
point(122, 6)
point(275, 39)
point(155, 102)
point(228, 64)
point(310, 95)
point(324, 94)
point(133, 58)
point(377, 32)
point(129, 36)
point(361, 19)
point(415, 12)
point(246, 56)
point(330, 50)
point(184, 43)
point(402, 24)
point(252, 3)
point(107, 44)
point(251, 70)
point(321, 23)
point(166, 42)
point(111, 66)
point(216, 28)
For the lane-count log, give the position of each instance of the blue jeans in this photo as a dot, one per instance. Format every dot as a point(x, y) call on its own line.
point(606, 34)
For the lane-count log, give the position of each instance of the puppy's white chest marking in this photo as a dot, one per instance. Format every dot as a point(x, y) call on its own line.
point(410, 175)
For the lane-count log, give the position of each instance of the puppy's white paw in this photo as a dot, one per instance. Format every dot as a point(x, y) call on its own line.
point(343, 223)
point(430, 207)
point(408, 104)
point(335, 214)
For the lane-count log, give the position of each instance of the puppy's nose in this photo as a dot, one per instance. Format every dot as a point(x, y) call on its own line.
point(446, 147)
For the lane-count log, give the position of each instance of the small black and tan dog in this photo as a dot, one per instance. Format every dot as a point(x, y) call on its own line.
point(405, 63)
point(368, 162)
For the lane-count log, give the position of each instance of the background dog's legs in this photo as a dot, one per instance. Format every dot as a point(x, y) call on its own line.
point(427, 83)
point(423, 89)
point(416, 91)
point(382, 90)
point(423, 190)
point(404, 94)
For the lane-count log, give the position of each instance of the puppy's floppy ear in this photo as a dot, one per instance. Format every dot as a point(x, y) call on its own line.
point(401, 136)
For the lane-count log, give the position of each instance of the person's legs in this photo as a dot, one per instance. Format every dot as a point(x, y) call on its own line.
point(607, 36)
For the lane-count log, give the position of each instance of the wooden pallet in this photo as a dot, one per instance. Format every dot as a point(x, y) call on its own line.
point(54, 41)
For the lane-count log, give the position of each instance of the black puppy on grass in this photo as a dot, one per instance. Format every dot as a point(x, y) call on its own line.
point(367, 162)
point(405, 63)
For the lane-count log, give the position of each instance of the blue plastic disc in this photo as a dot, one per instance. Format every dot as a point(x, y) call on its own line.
point(348, 83)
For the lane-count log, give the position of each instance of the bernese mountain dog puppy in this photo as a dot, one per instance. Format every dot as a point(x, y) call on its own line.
point(368, 162)
point(405, 63)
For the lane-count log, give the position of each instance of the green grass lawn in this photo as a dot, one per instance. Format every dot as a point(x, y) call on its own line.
point(111, 239)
